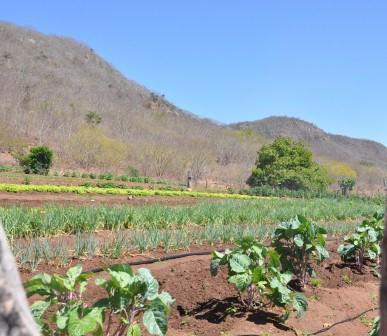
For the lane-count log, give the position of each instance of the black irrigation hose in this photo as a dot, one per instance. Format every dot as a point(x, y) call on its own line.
point(170, 257)
point(154, 260)
point(350, 319)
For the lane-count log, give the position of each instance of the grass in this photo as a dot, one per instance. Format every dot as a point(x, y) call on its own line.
point(19, 221)
point(18, 188)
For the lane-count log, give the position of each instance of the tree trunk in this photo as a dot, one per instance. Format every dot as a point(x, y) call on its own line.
point(383, 286)
point(15, 316)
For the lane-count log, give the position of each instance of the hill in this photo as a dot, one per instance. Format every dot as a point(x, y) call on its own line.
point(48, 84)
point(368, 158)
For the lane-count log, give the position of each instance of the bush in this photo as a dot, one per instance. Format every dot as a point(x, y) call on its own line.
point(286, 163)
point(85, 175)
point(67, 174)
point(256, 270)
point(298, 242)
point(38, 161)
point(93, 176)
point(133, 172)
point(75, 174)
point(106, 176)
point(365, 242)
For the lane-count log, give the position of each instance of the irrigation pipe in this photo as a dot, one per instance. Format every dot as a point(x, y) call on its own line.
point(170, 257)
point(350, 319)
point(165, 258)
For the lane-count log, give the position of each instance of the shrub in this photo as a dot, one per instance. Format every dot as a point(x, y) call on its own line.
point(364, 242)
point(93, 176)
point(133, 172)
point(286, 163)
point(346, 185)
point(106, 176)
point(298, 242)
point(75, 174)
point(128, 296)
point(38, 161)
point(124, 178)
point(85, 175)
point(67, 174)
point(256, 270)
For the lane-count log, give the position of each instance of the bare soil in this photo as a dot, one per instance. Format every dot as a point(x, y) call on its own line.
point(201, 300)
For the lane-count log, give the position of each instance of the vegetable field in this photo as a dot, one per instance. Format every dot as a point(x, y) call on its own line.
point(233, 264)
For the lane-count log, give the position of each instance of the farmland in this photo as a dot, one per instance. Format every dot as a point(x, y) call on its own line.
point(59, 222)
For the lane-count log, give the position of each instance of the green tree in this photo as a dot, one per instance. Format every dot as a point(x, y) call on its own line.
point(37, 161)
point(287, 163)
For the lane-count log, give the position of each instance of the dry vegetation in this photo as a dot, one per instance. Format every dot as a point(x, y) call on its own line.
point(49, 83)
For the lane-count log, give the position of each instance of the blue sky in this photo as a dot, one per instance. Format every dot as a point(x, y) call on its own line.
point(324, 61)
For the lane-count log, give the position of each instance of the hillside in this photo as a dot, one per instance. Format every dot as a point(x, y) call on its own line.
point(49, 83)
point(369, 158)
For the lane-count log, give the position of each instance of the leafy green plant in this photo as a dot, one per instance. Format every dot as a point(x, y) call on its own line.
point(63, 294)
point(128, 296)
point(364, 242)
point(298, 242)
point(255, 270)
point(38, 161)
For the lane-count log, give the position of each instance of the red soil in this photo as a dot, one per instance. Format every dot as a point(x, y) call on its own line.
point(201, 300)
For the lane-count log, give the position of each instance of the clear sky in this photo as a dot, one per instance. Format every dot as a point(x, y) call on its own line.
point(324, 61)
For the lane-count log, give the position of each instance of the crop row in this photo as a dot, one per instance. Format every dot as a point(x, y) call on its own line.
point(51, 220)
point(113, 191)
point(116, 244)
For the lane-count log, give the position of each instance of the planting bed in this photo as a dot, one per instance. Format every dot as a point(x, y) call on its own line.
point(201, 300)
point(40, 199)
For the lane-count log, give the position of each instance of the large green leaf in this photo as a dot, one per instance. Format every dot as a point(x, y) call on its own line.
point(38, 308)
point(300, 304)
point(152, 290)
point(239, 263)
point(155, 318)
point(39, 284)
point(126, 268)
point(241, 281)
point(91, 322)
point(167, 300)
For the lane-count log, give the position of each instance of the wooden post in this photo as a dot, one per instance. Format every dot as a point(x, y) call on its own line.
point(383, 286)
point(15, 315)
point(189, 181)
